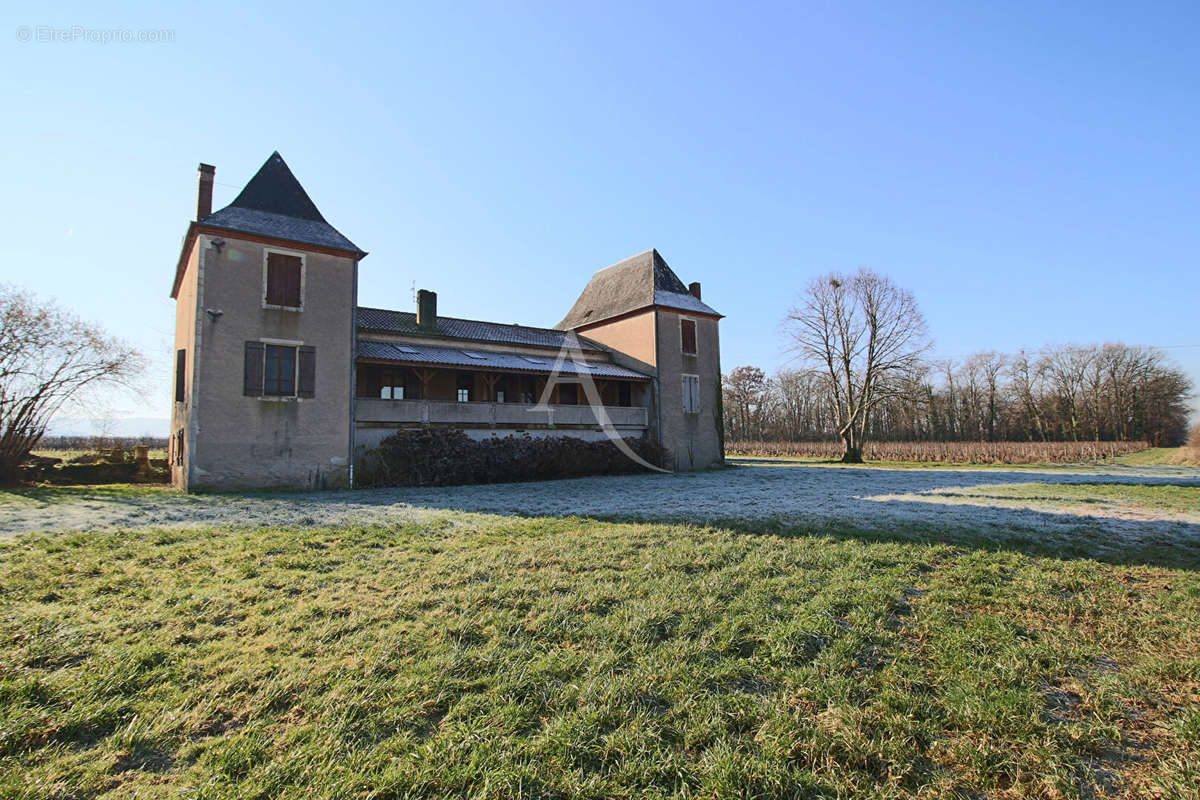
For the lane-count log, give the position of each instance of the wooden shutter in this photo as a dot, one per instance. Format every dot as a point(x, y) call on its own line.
point(252, 385)
point(180, 375)
point(687, 333)
point(308, 372)
point(691, 394)
point(283, 280)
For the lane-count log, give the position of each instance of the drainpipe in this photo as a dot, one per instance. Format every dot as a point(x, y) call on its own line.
point(353, 368)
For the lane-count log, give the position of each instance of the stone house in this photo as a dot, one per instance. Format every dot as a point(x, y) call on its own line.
point(281, 377)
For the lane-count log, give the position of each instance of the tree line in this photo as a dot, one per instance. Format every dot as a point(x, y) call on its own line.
point(1109, 392)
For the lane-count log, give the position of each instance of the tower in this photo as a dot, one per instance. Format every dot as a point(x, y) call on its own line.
point(642, 311)
point(265, 293)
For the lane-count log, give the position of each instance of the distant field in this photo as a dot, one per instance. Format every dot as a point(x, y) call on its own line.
point(1164, 457)
point(67, 455)
point(947, 452)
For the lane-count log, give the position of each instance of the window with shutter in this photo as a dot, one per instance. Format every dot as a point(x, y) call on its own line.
point(687, 336)
point(279, 375)
point(284, 280)
point(691, 394)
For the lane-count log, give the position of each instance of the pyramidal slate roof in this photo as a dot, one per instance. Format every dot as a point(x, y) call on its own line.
point(639, 282)
point(274, 204)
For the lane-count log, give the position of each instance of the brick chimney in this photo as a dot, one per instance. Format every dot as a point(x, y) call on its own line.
point(204, 194)
point(694, 289)
point(426, 310)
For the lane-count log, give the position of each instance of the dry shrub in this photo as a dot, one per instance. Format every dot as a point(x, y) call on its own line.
point(950, 452)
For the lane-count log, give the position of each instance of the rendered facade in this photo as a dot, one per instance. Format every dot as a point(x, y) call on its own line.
point(282, 377)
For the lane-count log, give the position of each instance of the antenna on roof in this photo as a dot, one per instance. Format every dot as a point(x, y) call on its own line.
point(412, 290)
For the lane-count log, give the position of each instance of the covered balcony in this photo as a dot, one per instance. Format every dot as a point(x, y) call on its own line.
point(390, 395)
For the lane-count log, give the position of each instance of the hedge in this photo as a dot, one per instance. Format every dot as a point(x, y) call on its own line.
point(447, 456)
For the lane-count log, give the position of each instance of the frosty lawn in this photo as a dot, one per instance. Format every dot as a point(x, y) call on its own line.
point(393, 645)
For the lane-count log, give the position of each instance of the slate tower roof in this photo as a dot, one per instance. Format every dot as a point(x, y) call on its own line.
point(642, 281)
point(274, 204)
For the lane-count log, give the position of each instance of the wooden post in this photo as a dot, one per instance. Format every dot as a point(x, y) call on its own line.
point(425, 376)
point(490, 379)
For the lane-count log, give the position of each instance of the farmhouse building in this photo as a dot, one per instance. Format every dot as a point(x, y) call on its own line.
point(282, 377)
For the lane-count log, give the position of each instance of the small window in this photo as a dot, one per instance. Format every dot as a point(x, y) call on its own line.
point(391, 383)
point(691, 394)
point(279, 377)
point(466, 382)
point(687, 336)
point(283, 280)
point(180, 375)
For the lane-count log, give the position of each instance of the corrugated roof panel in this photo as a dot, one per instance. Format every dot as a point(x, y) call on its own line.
point(405, 322)
point(451, 357)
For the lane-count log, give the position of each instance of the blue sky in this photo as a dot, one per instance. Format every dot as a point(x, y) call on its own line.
point(1030, 171)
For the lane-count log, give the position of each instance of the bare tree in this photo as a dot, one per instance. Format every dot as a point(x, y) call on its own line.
point(48, 357)
point(868, 336)
point(744, 389)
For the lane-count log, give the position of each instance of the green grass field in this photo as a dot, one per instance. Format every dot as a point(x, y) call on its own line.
point(496, 657)
point(1148, 499)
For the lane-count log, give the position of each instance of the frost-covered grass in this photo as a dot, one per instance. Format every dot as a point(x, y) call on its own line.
point(812, 643)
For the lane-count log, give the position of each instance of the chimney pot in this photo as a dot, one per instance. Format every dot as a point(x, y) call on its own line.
point(694, 289)
point(426, 310)
point(205, 191)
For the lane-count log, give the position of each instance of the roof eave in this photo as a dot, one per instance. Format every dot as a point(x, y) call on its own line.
point(208, 227)
point(189, 239)
point(197, 228)
point(640, 310)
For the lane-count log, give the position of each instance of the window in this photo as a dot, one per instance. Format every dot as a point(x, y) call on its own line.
point(691, 394)
point(279, 370)
point(391, 384)
point(280, 373)
point(284, 278)
point(466, 382)
point(687, 336)
point(180, 375)
point(385, 382)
